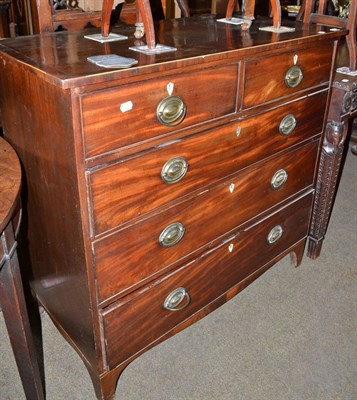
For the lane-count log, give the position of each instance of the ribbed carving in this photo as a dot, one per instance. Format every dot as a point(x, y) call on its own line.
point(328, 173)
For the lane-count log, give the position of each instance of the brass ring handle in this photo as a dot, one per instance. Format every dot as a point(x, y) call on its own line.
point(175, 298)
point(279, 178)
point(172, 234)
point(287, 124)
point(174, 170)
point(171, 111)
point(293, 76)
point(275, 234)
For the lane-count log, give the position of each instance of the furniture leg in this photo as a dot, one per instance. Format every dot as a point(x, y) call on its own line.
point(351, 37)
point(329, 168)
point(297, 254)
point(14, 309)
point(230, 8)
point(145, 11)
point(106, 13)
point(248, 12)
point(275, 5)
point(185, 10)
point(105, 385)
point(139, 25)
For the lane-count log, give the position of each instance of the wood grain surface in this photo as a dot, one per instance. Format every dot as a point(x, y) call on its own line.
point(10, 182)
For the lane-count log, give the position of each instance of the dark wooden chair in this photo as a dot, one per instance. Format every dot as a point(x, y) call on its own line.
point(48, 16)
point(321, 17)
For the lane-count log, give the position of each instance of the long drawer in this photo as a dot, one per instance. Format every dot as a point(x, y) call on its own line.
point(125, 115)
point(141, 250)
point(292, 71)
point(125, 190)
point(132, 324)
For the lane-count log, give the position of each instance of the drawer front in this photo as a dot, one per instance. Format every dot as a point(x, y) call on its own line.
point(132, 324)
point(122, 116)
point(126, 190)
point(141, 250)
point(264, 83)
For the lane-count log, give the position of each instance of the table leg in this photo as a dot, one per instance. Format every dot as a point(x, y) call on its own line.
point(12, 301)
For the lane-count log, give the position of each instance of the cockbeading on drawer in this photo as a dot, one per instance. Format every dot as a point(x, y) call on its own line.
point(128, 189)
point(142, 248)
point(292, 72)
point(129, 114)
point(198, 283)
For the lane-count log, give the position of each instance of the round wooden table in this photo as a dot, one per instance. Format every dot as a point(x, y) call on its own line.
point(10, 182)
point(12, 299)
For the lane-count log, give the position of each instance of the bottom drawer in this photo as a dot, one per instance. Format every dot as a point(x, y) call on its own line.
point(133, 323)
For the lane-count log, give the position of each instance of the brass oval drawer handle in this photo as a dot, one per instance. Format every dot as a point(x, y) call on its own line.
point(171, 111)
point(275, 234)
point(279, 178)
point(293, 76)
point(174, 170)
point(287, 124)
point(172, 234)
point(175, 300)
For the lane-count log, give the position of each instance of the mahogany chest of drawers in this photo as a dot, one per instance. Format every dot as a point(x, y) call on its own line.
point(156, 193)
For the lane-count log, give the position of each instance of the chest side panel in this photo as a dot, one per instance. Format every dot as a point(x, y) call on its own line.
point(37, 122)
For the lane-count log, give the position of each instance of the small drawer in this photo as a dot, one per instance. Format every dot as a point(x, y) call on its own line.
point(291, 72)
point(126, 190)
point(121, 116)
point(163, 239)
point(164, 304)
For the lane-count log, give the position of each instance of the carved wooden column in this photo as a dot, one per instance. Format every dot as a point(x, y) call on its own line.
point(343, 107)
point(330, 161)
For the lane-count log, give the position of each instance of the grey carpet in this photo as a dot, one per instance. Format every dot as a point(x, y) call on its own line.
point(291, 335)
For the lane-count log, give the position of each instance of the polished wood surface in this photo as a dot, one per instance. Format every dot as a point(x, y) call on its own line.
point(142, 119)
point(206, 217)
point(93, 149)
point(61, 58)
point(12, 298)
point(205, 280)
point(258, 90)
point(10, 182)
point(220, 153)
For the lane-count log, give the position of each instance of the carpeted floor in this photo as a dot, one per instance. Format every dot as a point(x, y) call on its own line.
point(291, 335)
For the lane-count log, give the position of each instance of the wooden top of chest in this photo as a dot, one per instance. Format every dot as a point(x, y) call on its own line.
point(61, 57)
